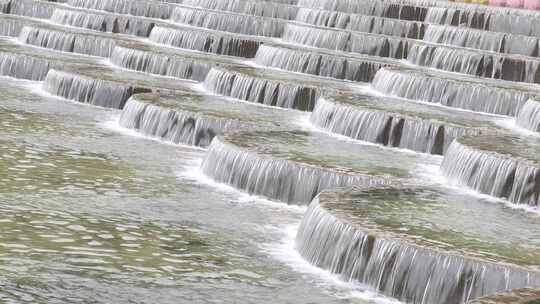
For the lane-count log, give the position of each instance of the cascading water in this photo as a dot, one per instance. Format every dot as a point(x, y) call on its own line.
point(86, 90)
point(174, 126)
point(260, 90)
point(386, 26)
point(318, 64)
point(159, 64)
point(104, 23)
point(24, 67)
point(482, 40)
point(31, 8)
point(67, 42)
point(345, 41)
point(452, 93)
point(475, 63)
point(130, 7)
point(490, 19)
point(322, 17)
point(274, 178)
point(234, 23)
point(206, 42)
point(387, 246)
point(256, 8)
point(12, 27)
point(497, 174)
point(321, 38)
point(395, 267)
point(529, 116)
point(386, 127)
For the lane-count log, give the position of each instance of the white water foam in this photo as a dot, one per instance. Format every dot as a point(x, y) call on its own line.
point(432, 176)
point(285, 252)
point(510, 124)
point(306, 125)
point(193, 172)
point(113, 124)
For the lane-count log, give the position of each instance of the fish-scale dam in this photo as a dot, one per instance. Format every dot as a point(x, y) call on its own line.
point(269, 151)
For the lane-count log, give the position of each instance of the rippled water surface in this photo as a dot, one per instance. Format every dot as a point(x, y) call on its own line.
point(90, 213)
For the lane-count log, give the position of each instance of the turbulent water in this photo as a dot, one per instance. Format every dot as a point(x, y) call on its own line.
point(284, 151)
point(409, 272)
point(448, 92)
point(89, 208)
point(257, 90)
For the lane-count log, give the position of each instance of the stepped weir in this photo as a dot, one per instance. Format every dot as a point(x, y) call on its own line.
point(404, 132)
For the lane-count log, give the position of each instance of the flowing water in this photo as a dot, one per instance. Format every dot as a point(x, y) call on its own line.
point(268, 151)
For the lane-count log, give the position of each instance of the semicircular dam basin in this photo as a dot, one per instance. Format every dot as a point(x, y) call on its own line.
point(270, 151)
point(294, 166)
point(500, 165)
point(414, 243)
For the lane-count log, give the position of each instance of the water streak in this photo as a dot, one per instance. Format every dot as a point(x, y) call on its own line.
point(23, 67)
point(130, 7)
point(318, 64)
point(529, 116)
point(386, 128)
point(104, 22)
point(172, 125)
point(256, 8)
point(483, 40)
point(452, 93)
point(159, 63)
point(277, 179)
point(368, 44)
point(261, 90)
point(406, 271)
point(31, 8)
point(482, 64)
point(206, 42)
point(87, 90)
point(67, 42)
point(235, 23)
point(492, 173)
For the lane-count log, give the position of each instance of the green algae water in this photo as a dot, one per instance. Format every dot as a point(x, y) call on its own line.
point(93, 214)
point(268, 151)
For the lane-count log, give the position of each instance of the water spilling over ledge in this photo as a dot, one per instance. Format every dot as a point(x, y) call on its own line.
point(294, 166)
point(499, 165)
point(30, 8)
point(529, 116)
point(193, 119)
point(87, 90)
point(519, 22)
point(482, 40)
point(477, 63)
point(319, 64)
point(229, 22)
point(475, 96)
point(272, 9)
point(395, 123)
point(130, 7)
point(362, 23)
point(11, 25)
point(260, 90)
point(411, 244)
point(159, 63)
point(67, 41)
point(361, 43)
point(23, 67)
point(391, 9)
point(104, 22)
point(182, 71)
point(217, 43)
point(276, 179)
